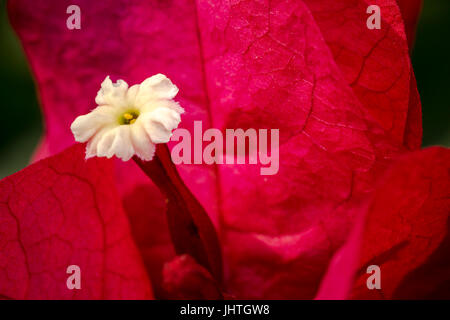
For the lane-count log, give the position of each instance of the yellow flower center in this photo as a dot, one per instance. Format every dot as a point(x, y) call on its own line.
point(129, 117)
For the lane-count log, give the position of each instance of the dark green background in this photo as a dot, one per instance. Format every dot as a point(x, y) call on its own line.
point(21, 126)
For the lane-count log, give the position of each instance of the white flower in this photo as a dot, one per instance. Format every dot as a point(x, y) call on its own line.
point(129, 121)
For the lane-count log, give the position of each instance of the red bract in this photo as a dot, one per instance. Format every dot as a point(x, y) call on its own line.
point(402, 231)
point(410, 12)
point(375, 63)
point(59, 212)
point(184, 278)
point(277, 72)
point(343, 96)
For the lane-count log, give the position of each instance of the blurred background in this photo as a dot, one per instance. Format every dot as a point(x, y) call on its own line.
point(21, 125)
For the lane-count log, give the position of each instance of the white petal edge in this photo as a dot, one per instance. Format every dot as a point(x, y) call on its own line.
point(112, 94)
point(155, 104)
point(159, 124)
point(131, 95)
point(155, 88)
point(116, 142)
point(92, 145)
point(142, 144)
point(85, 126)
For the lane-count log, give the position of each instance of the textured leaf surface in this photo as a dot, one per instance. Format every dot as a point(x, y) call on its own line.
point(375, 63)
point(269, 66)
point(405, 228)
point(64, 211)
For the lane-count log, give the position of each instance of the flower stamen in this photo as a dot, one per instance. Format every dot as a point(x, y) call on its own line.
point(128, 117)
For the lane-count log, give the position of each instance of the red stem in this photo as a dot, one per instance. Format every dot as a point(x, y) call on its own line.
point(191, 229)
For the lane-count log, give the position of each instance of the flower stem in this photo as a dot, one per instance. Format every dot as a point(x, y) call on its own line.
point(191, 229)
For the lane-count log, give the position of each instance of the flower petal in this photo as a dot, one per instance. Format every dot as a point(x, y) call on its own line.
point(143, 146)
point(92, 145)
point(131, 94)
point(116, 142)
point(85, 126)
point(159, 124)
point(169, 104)
point(156, 87)
point(112, 94)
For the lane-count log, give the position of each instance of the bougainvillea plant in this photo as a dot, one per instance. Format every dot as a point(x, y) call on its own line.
point(353, 187)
